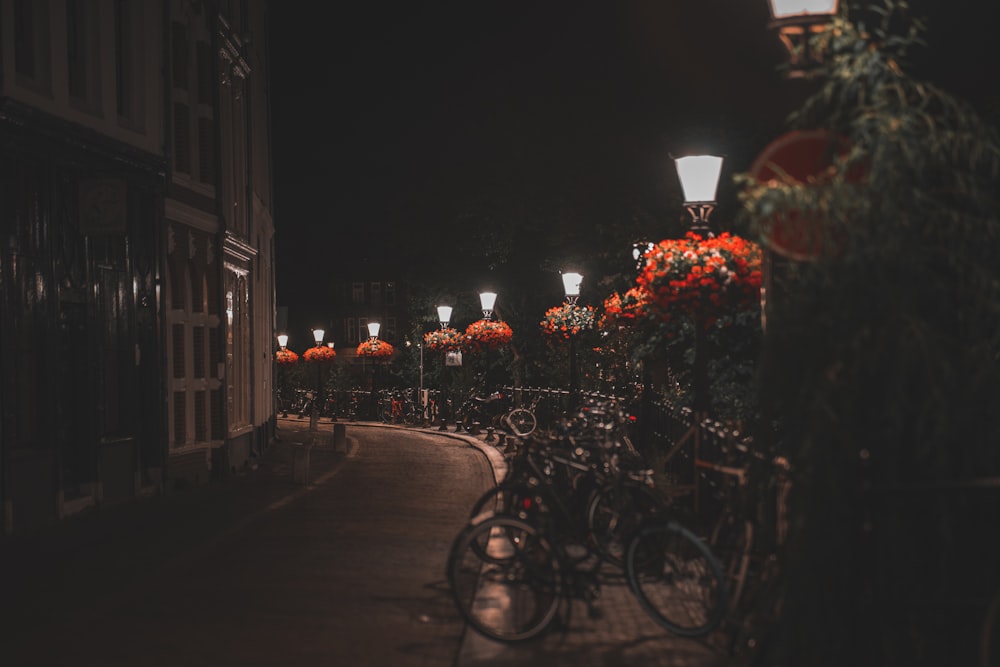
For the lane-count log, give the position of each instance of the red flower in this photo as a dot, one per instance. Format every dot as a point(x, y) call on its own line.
point(378, 349)
point(487, 334)
point(286, 357)
point(625, 308)
point(319, 354)
point(702, 277)
point(567, 320)
point(443, 340)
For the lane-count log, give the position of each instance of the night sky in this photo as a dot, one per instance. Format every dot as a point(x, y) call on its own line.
point(396, 123)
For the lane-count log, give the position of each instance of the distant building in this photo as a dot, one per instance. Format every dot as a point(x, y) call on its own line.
point(137, 308)
point(361, 300)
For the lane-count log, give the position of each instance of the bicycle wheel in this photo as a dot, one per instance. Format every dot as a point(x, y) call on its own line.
point(504, 578)
point(676, 579)
point(615, 512)
point(522, 422)
point(504, 498)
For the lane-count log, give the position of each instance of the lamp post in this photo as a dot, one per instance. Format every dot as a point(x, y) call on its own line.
point(282, 403)
point(444, 318)
point(571, 286)
point(699, 177)
point(487, 300)
point(314, 415)
point(797, 22)
point(373, 330)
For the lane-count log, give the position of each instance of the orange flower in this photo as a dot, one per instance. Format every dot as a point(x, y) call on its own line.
point(702, 277)
point(319, 354)
point(378, 349)
point(443, 340)
point(567, 320)
point(487, 335)
point(286, 357)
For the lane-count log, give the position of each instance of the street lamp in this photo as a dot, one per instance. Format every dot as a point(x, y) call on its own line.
point(487, 300)
point(699, 177)
point(797, 22)
point(283, 404)
point(314, 415)
point(444, 318)
point(444, 315)
point(571, 286)
point(373, 329)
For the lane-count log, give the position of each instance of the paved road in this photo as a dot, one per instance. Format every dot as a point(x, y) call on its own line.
point(347, 570)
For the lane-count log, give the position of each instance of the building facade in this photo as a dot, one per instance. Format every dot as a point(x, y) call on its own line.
point(136, 279)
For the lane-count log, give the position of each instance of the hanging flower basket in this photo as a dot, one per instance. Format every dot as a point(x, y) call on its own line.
point(444, 340)
point(487, 334)
point(377, 349)
point(624, 309)
point(567, 320)
point(702, 277)
point(286, 357)
point(319, 354)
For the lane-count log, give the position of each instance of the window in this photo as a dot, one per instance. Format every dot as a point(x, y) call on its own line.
point(194, 112)
point(82, 56)
point(390, 329)
point(357, 292)
point(76, 48)
point(390, 294)
point(31, 43)
point(362, 328)
point(129, 89)
point(352, 330)
point(238, 348)
point(376, 294)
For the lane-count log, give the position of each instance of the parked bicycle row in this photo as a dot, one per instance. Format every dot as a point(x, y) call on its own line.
point(578, 510)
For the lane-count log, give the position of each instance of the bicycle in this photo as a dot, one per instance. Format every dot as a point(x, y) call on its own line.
point(749, 559)
point(510, 570)
point(523, 421)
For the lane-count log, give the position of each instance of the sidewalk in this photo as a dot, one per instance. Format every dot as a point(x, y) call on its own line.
point(39, 573)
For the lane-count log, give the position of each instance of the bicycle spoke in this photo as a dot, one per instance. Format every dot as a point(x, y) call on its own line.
point(504, 579)
point(676, 579)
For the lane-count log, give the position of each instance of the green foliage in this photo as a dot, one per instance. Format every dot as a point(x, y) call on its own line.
point(880, 365)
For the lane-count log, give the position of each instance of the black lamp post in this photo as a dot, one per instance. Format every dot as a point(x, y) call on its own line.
point(797, 22)
point(282, 400)
point(444, 318)
point(571, 286)
point(314, 415)
point(487, 300)
point(373, 330)
point(699, 177)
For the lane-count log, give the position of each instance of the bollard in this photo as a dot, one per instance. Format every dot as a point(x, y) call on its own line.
point(474, 430)
point(501, 440)
point(444, 424)
point(339, 437)
point(489, 434)
point(300, 462)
